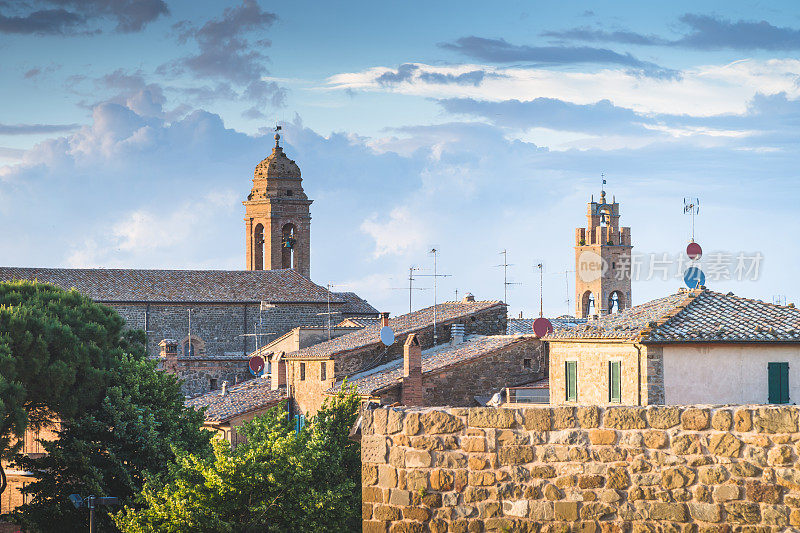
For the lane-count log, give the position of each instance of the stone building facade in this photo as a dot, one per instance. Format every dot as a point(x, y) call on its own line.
point(683, 468)
point(602, 261)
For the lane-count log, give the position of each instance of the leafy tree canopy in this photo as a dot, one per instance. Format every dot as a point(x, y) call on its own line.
point(274, 481)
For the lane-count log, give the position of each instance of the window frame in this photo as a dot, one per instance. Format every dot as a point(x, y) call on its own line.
point(571, 395)
point(778, 376)
point(611, 365)
point(323, 371)
point(302, 371)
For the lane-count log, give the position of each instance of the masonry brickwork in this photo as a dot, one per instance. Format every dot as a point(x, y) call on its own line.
point(689, 468)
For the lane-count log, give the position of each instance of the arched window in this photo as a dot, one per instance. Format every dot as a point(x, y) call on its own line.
point(615, 302)
point(193, 346)
point(587, 303)
point(288, 243)
point(258, 246)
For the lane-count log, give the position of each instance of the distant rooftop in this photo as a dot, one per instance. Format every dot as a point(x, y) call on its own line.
point(433, 359)
point(401, 325)
point(696, 316)
point(253, 394)
point(354, 304)
point(524, 326)
point(139, 285)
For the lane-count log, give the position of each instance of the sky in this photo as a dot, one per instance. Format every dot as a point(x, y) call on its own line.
point(129, 131)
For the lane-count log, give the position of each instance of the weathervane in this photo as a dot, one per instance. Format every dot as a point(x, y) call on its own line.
point(277, 135)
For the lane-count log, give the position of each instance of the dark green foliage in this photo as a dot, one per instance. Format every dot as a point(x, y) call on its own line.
point(275, 481)
point(66, 357)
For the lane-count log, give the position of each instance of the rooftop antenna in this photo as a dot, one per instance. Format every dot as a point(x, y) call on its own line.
point(602, 184)
point(540, 266)
point(410, 287)
point(779, 299)
point(506, 283)
point(330, 313)
point(691, 206)
point(435, 277)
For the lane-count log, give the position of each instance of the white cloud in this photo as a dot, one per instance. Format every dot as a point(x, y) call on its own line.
point(403, 232)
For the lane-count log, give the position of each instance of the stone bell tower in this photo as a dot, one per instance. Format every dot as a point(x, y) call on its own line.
point(602, 261)
point(277, 219)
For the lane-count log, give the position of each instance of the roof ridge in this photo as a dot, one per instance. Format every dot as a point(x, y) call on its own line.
point(689, 298)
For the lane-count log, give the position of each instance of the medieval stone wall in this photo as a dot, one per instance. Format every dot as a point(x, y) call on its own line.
point(691, 468)
point(220, 326)
point(196, 373)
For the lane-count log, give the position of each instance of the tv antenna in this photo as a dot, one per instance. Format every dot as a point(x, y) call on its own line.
point(540, 266)
point(410, 287)
point(691, 206)
point(779, 299)
point(435, 276)
point(330, 313)
point(506, 283)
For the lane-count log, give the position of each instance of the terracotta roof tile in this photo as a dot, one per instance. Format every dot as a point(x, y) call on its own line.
point(433, 359)
point(354, 304)
point(524, 326)
point(243, 398)
point(401, 325)
point(136, 285)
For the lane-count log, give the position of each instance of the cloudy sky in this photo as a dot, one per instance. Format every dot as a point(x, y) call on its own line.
point(129, 131)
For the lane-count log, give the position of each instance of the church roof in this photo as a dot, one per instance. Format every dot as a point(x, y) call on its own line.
point(277, 165)
point(252, 395)
point(401, 325)
point(355, 304)
point(694, 316)
point(139, 285)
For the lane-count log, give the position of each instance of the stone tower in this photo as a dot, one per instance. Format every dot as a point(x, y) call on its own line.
point(602, 261)
point(277, 219)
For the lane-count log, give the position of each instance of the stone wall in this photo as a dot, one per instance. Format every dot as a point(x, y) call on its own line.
point(691, 468)
point(220, 326)
point(196, 373)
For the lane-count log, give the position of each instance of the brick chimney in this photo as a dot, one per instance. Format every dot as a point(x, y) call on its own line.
point(277, 373)
point(468, 298)
point(384, 319)
point(169, 355)
point(412, 372)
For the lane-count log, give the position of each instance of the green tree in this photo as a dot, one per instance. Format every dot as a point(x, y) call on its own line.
point(57, 349)
point(133, 435)
point(274, 481)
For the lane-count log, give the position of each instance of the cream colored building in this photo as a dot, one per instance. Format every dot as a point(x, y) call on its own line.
point(692, 347)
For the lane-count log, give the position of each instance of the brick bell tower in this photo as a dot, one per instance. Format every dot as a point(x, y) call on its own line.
point(277, 219)
point(602, 261)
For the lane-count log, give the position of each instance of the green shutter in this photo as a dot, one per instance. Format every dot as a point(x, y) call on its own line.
point(778, 381)
point(614, 382)
point(571, 374)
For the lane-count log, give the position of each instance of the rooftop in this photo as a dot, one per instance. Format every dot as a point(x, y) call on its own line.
point(401, 325)
point(240, 399)
point(355, 304)
point(433, 359)
point(139, 285)
point(694, 316)
point(524, 326)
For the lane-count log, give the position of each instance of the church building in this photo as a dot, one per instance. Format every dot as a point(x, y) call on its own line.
point(218, 317)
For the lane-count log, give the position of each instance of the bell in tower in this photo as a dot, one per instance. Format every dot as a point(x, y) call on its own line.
point(277, 218)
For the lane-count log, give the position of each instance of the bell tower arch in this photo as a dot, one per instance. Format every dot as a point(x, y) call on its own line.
point(277, 216)
point(602, 261)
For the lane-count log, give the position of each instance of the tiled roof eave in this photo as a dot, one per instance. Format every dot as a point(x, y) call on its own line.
point(649, 341)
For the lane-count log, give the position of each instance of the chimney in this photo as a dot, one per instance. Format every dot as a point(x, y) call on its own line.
point(384, 319)
point(169, 355)
point(277, 372)
point(224, 391)
point(468, 298)
point(456, 333)
point(412, 373)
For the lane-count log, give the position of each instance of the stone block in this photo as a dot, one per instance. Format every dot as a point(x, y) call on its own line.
point(386, 512)
point(780, 455)
point(379, 421)
point(726, 493)
point(617, 478)
point(518, 508)
point(694, 419)
point(563, 418)
point(542, 511)
point(742, 513)
point(369, 474)
point(624, 418)
point(555, 454)
point(713, 475)
point(537, 419)
point(489, 417)
point(437, 422)
point(488, 509)
point(481, 478)
point(373, 449)
point(543, 471)
point(372, 526)
point(663, 417)
point(788, 477)
point(722, 420)
point(473, 444)
point(416, 479)
point(411, 424)
point(449, 459)
point(745, 469)
point(399, 497)
point(775, 420)
point(588, 416)
point(551, 492)
point(674, 512)
point(387, 476)
point(407, 527)
point(675, 478)
point(394, 421)
point(417, 459)
point(596, 511)
point(372, 495)
point(511, 437)
point(655, 439)
point(602, 436)
point(515, 455)
point(565, 511)
point(775, 515)
point(442, 480)
point(724, 444)
point(420, 514)
point(687, 444)
point(397, 457)
point(742, 420)
point(705, 512)
point(591, 481)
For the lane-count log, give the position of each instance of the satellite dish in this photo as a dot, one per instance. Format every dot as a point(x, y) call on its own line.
point(694, 277)
point(694, 251)
point(541, 327)
point(387, 335)
point(256, 365)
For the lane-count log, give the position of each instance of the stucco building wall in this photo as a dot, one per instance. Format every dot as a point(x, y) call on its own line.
point(726, 373)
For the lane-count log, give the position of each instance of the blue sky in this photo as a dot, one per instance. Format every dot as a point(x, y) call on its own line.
point(130, 129)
